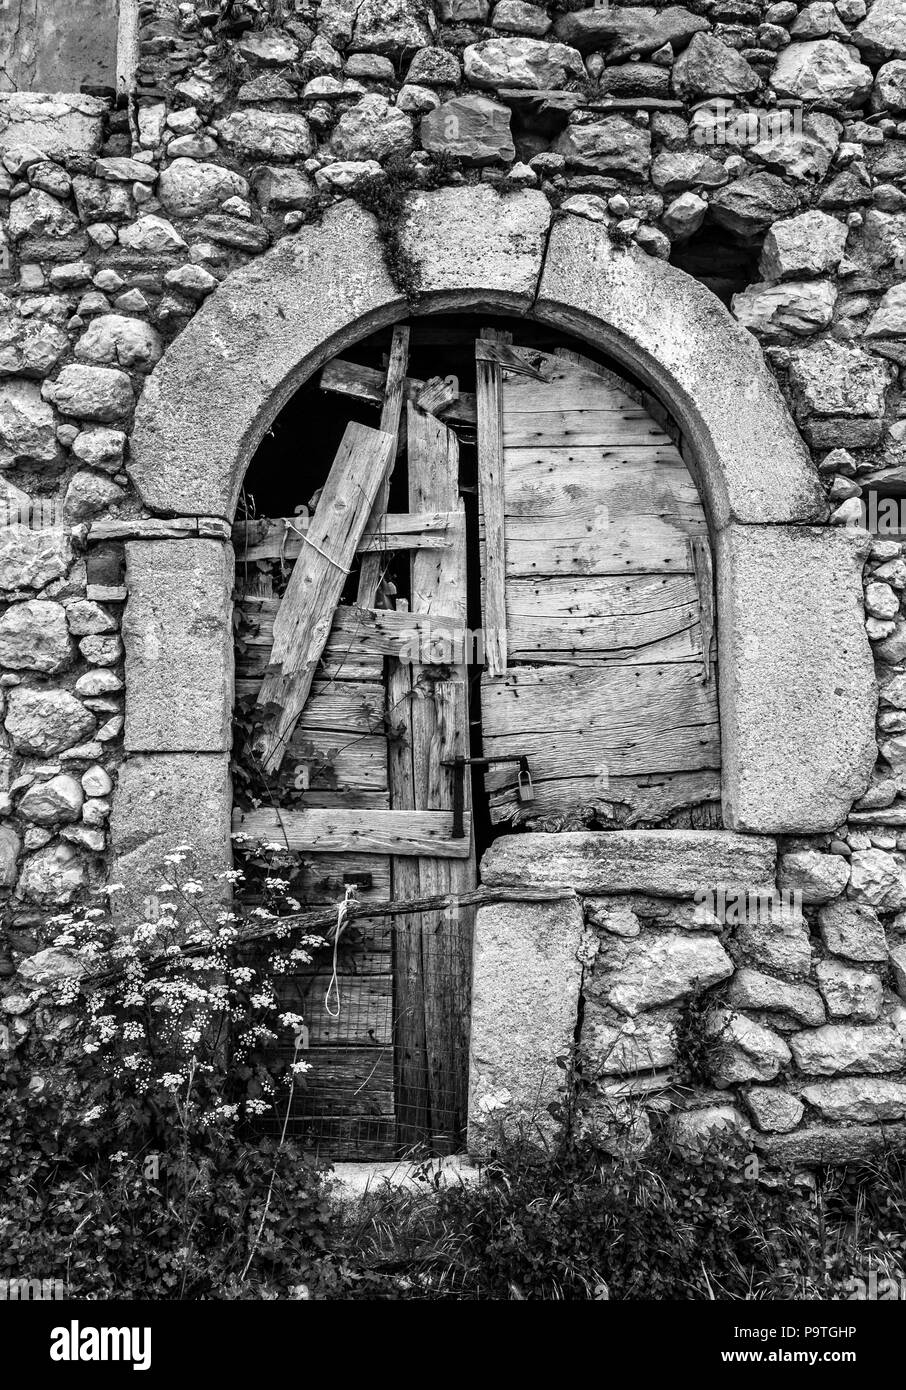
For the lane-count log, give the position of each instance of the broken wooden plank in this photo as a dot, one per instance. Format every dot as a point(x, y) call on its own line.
point(438, 394)
point(362, 832)
point(359, 640)
point(492, 494)
point(391, 410)
point(367, 384)
point(520, 361)
point(282, 537)
point(305, 616)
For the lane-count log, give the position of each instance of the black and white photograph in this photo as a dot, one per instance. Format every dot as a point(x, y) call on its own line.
point(452, 677)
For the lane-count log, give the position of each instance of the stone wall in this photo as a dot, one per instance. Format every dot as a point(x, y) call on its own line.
point(776, 1011)
point(117, 223)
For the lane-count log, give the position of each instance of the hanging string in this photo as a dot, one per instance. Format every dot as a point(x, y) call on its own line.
point(333, 989)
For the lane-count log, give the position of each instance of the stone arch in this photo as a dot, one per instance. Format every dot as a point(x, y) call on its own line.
point(274, 322)
point(797, 695)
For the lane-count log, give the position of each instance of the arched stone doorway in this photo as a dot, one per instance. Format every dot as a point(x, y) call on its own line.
point(795, 676)
point(791, 762)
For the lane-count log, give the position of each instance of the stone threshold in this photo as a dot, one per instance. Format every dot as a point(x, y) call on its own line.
point(663, 863)
point(351, 1181)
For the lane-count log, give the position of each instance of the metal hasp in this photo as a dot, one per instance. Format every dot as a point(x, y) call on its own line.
point(526, 790)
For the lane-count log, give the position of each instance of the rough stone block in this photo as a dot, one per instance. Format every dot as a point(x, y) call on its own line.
point(750, 989)
point(816, 877)
point(748, 1051)
point(797, 686)
point(166, 800)
point(466, 239)
point(782, 946)
point(853, 930)
point(665, 863)
point(694, 1130)
point(525, 1005)
point(57, 125)
point(858, 1098)
point(179, 646)
point(849, 993)
point(773, 1109)
point(842, 1048)
point(633, 974)
point(615, 1046)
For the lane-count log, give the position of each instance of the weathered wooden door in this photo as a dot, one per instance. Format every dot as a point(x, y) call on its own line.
point(597, 591)
point(368, 702)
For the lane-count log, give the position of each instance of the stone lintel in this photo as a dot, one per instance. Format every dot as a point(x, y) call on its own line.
point(664, 863)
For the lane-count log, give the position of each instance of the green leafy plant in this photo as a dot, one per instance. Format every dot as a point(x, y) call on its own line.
point(131, 1151)
point(384, 196)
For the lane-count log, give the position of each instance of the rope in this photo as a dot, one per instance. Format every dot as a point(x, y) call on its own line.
point(333, 989)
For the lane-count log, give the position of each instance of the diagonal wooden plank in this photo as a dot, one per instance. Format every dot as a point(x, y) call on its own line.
point(394, 390)
point(305, 616)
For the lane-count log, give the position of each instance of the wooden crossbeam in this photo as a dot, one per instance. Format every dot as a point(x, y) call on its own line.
point(282, 537)
point(325, 830)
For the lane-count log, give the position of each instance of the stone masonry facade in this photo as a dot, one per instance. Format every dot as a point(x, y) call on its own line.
point(773, 132)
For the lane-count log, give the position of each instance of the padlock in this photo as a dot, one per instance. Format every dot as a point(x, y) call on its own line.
point(524, 788)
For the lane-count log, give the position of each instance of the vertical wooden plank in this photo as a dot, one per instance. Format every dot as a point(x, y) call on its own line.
point(491, 489)
point(704, 578)
point(433, 954)
point(304, 619)
point(410, 1054)
point(394, 390)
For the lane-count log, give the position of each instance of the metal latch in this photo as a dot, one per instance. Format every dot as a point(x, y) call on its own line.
point(524, 787)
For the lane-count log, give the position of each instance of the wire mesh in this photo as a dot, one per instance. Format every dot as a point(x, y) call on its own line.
point(358, 1099)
